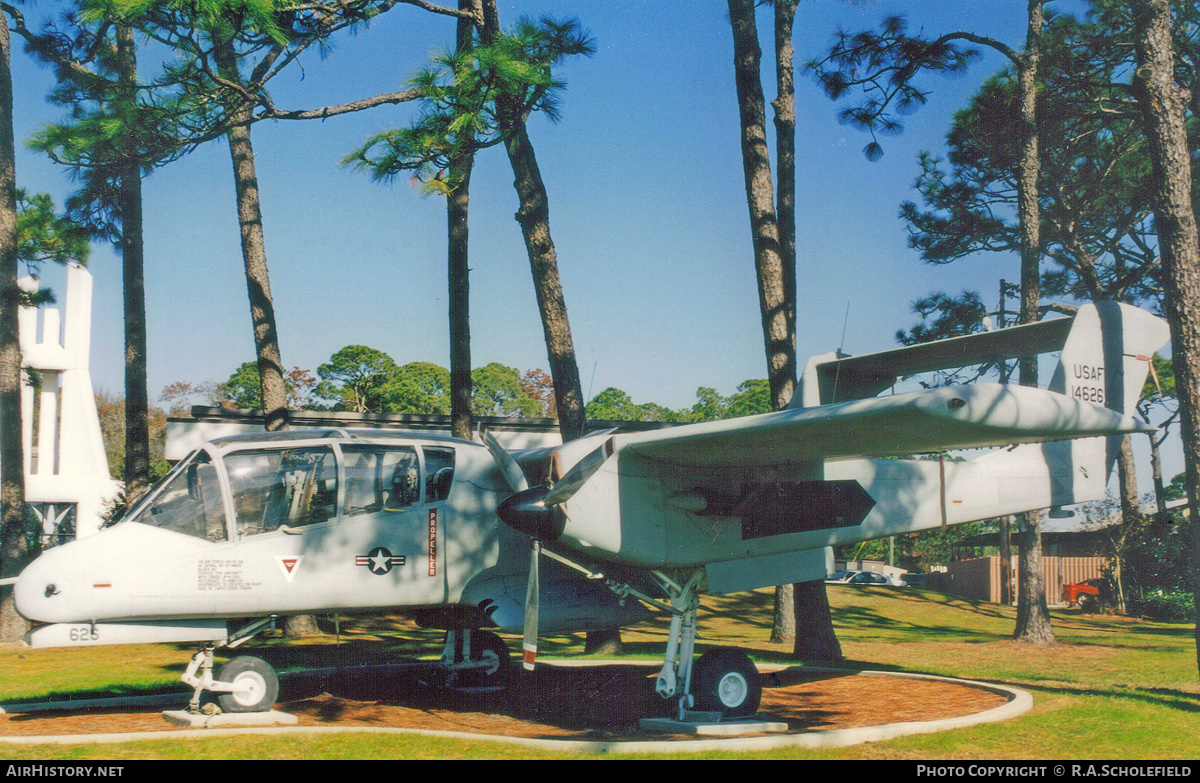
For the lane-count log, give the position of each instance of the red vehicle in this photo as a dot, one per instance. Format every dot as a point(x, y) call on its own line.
point(1086, 594)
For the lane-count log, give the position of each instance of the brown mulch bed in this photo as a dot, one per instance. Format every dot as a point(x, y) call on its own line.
point(601, 702)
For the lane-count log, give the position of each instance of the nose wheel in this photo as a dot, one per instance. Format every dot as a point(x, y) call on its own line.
point(244, 684)
point(255, 685)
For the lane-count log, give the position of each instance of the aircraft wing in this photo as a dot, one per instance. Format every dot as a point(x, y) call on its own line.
point(956, 417)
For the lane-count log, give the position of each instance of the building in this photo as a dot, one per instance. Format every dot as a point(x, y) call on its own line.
point(186, 433)
point(67, 482)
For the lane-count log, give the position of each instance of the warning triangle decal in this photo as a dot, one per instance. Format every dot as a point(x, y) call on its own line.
point(289, 564)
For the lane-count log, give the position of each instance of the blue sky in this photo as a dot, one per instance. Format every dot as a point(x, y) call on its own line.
point(647, 209)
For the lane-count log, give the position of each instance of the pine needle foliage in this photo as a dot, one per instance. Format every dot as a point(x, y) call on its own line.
point(883, 65)
point(460, 94)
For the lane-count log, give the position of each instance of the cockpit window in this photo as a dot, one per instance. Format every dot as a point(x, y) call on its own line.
point(189, 503)
point(273, 488)
point(439, 473)
point(380, 478)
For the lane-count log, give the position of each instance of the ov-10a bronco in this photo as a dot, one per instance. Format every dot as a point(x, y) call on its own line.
point(595, 533)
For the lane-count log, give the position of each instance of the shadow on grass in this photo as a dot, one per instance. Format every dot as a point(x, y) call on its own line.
point(866, 620)
point(601, 701)
point(742, 608)
point(877, 615)
point(1162, 697)
point(916, 597)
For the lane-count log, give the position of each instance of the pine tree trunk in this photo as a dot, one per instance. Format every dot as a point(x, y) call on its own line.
point(13, 553)
point(458, 269)
point(1160, 490)
point(785, 156)
point(258, 283)
point(783, 629)
point(1131, 508)
point(1006, 595)
point(604, 643)
point(137, 402)
point(254, 256)
point(764, 227)
point(815, 639)
point(1033, 615)
point(1161, 105)
point(533, 215)
point(300, 625)
point(774, 241)
point(783, 619)
point(534, 218)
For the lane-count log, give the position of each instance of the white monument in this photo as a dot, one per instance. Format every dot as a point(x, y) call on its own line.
point(67, 481)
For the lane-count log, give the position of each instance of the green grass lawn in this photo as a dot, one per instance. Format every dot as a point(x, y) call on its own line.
point(1113, 688)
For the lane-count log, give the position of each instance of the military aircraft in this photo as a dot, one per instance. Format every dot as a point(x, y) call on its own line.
point(592, 534)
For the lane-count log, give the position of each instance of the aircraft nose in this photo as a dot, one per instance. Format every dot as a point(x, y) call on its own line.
point(527, 512)
point(40, 596)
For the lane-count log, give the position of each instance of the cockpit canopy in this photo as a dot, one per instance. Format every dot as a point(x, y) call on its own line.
point(250, 485)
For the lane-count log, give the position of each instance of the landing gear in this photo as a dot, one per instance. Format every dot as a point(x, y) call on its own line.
point(724, 683)
point(245, 684)
point(475, 660)
point(724, 680)
point(255, 685)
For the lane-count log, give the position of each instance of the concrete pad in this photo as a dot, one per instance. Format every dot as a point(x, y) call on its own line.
point(199, 720)
point(732, 728)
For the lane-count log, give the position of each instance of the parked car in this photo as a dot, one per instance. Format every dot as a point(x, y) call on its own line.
point(1087, 594)
point(912, 580)
point(841, 577)
point(874, 578)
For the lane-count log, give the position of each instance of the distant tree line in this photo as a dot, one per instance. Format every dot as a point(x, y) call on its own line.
point(361, 379)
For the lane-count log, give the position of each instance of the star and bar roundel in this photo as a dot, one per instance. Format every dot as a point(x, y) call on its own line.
point(379, 560)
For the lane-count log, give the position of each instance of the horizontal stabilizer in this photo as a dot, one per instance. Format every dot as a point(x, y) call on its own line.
point(838, 379)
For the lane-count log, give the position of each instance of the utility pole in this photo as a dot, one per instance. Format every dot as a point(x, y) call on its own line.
point(1006, 597)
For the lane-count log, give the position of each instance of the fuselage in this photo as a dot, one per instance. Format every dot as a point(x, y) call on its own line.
point(285, 523)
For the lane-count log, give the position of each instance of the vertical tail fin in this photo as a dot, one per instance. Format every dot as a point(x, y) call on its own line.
point(1105, 359)
point(1107, 355)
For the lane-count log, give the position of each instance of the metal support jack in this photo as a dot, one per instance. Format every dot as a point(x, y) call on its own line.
point(474, 660)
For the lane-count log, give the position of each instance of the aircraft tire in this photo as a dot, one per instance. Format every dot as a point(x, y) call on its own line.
point(258, 685)
point(725, 680)
point(491, 648)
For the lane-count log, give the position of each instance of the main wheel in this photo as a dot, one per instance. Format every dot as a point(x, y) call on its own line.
point(1087, 602)
point(489, 649)
point(724, 680)
point(256, 686)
